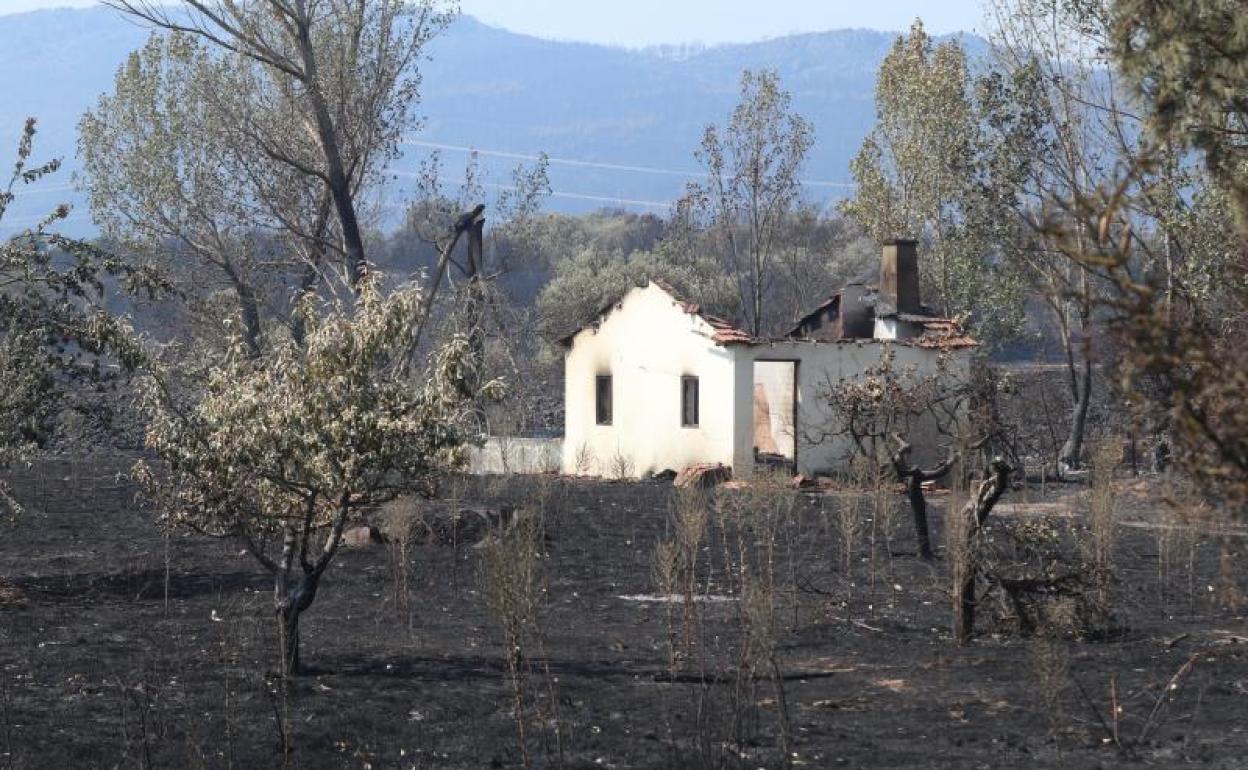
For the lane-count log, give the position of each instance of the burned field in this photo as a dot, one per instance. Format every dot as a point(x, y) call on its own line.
point(126, 648)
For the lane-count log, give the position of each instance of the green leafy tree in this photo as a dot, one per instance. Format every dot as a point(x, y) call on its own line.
point(589, 280)
point(1075, 127)
point(1189, 63)
point(1133, 241)
point(1188, 68)
point(751, 189)
point(242, 139)
point(927, 171)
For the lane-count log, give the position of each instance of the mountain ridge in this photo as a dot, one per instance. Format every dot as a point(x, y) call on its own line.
point(623, 122)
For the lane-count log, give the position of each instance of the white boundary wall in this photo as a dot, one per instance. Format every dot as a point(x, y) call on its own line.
point(506, 454)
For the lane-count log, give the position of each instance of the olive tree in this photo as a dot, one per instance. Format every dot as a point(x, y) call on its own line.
point(590, 278)
point(250, 136)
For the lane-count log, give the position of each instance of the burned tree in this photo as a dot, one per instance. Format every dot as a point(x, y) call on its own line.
point(890, 414)
point(886, 410)
point(971, 519)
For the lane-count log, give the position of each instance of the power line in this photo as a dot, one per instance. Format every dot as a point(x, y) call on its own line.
point(561, 193)
point(597, 164)
point(558, 161)
point(587, 197)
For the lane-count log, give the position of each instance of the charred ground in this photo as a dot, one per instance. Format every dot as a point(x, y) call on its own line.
point(123, 647)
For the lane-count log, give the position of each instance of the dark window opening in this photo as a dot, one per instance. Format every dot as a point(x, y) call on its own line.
point(689, 402)
point(602, 399)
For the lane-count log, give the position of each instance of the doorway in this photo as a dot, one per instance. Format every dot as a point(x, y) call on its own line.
point(775, 414)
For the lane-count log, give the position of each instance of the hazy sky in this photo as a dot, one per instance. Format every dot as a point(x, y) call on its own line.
point(650, 22)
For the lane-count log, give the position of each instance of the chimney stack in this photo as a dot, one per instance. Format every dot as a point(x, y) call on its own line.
point(899, 278)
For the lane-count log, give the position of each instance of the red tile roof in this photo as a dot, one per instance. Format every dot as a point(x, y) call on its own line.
point(938, 333)
point(943, 334)
point(725, 333)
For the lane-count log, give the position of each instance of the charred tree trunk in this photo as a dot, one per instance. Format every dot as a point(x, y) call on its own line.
point(918, 508)
point(476, 309)
point(913, 477)
point(336, 176)
point(248, 308)
point(976, 512)
point(297, 575)
point(476, 289)
point(470, 220)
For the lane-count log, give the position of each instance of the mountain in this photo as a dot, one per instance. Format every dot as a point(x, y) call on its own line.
point(620, 125)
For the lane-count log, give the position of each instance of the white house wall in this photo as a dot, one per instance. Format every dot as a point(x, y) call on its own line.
point(647, 343)
point(818, 363)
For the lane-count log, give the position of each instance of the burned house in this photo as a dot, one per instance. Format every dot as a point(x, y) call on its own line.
point(886, 310)
point(655, 383)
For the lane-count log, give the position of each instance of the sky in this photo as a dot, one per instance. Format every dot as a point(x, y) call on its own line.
point(637, 23)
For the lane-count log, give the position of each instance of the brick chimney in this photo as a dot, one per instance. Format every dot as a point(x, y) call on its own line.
point(899, 278)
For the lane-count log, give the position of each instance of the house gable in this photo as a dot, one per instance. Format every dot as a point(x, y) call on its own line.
point(714, 328)
point(657, 349)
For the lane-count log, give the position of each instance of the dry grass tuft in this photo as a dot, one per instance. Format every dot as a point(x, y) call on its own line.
point(1050, 664)
point(1102, 517)
point(509, 582)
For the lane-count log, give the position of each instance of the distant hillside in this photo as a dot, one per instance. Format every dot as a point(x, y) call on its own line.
point(593, 109)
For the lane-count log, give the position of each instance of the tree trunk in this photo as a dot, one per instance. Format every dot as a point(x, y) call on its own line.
point(913, 478)
point(290, 600)
point(964, 621)
point(918, 507)
point(476, 292)
point(288, 626)
point(298, 326)
point(336, 178)
point(756, 327)
point(976, 511)
point(249, 310)
point(1072, 450)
